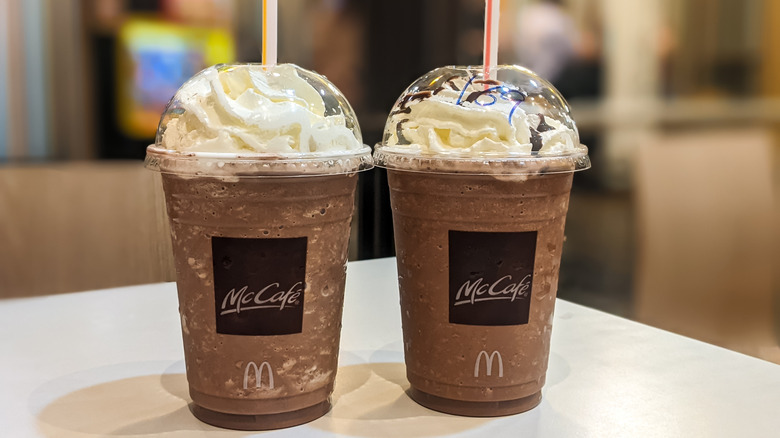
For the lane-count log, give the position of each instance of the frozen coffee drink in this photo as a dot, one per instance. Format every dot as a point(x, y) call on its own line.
point(259, 167)
point(480, 170)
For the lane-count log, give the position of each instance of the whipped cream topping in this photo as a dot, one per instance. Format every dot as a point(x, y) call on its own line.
point(254, 109)
point(467, 116)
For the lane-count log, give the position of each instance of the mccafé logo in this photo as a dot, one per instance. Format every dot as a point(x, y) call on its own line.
point(269, 297)
point(258, 372)
point(489, 361)
point(491, 277)
point(502, 289)
point(259, 285)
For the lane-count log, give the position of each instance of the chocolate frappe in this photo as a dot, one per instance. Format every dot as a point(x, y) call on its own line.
point(518, 225)
point(259, 167)
point(250, 368)
point(480, 170)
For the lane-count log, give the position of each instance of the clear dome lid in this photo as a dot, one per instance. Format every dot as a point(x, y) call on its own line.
point(251, 113)
point(454, 119)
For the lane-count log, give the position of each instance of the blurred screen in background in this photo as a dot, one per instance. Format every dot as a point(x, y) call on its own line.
point(155, 59)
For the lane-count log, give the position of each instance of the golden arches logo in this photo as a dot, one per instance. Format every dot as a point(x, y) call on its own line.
point(489, 363)
point(259, 375)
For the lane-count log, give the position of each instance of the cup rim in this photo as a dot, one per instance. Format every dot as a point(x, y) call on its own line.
point(485, 164)
point(257, 164)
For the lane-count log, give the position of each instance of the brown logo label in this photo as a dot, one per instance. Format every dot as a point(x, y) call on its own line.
point(259, 285)
point(491, 275)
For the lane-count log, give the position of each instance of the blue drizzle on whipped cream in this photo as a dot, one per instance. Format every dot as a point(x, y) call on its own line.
point(458, 114)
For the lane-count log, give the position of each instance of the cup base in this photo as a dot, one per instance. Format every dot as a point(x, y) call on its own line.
point(260, 422)
point(475, 408)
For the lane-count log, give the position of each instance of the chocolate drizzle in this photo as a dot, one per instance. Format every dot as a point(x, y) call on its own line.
point(420, 95)
point(543, 126)
point(487, 82)
point(404, 109)
point(536, 141)
point(474, 95)
point(536, 136)
point(399, 130)
point(450, 81)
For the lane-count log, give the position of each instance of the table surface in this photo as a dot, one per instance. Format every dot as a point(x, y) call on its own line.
point(110, 363)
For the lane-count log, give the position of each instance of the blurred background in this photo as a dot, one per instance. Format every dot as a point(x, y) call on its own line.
point(676, 224)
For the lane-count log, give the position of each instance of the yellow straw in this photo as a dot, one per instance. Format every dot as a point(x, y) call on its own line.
point(270, 34)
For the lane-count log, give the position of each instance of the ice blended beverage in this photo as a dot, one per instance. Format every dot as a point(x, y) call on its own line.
point(480, 170)
point(259, 167)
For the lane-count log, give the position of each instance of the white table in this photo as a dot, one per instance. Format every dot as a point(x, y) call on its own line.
point(109, 363)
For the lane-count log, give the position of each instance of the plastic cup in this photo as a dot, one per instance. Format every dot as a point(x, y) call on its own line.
point(260, 248)
point(478, 235)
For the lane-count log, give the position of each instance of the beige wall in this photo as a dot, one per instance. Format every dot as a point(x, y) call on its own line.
point(707, 233)
point(72, 227)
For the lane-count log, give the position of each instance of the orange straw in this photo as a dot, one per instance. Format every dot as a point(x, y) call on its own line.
point(490, 50)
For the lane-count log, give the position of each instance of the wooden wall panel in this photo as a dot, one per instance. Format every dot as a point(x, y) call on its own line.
point(72, 227)
point(707, 233)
